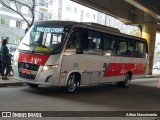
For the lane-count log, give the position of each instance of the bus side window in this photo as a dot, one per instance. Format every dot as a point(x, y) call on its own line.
point(71, 44)
point(131, 48)
point(74, 44)
point(109, 45)
point(93, 43)
point(141, 50)
point(122, 47)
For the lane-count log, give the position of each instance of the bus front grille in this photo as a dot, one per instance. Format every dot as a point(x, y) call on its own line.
point(27, 66)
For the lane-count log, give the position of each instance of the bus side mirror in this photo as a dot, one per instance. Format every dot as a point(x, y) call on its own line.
point(70, 51)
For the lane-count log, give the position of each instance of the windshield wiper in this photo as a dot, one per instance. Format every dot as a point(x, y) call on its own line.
point(25, 44)
point(30, 45)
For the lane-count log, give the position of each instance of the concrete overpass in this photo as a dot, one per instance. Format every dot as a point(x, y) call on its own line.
point(143, 13)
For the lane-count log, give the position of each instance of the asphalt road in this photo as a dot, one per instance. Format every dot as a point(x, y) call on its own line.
point(142, 95)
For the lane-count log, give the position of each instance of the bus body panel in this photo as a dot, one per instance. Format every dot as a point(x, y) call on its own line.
point(94, 70)
point(90, 66)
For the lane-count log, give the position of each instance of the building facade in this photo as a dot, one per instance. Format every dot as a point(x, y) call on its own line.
point(71, 11)
point(12, 25)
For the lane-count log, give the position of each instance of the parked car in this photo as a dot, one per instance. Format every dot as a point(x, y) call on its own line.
point(156, 67)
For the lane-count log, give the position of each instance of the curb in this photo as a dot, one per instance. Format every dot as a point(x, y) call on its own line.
point(11, 82)
point(152, 76)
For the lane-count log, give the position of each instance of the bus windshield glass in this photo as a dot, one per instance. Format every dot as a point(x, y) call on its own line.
point(43, 39)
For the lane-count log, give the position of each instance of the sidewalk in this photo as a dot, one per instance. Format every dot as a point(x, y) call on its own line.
point(153, 76)
point(10, 82)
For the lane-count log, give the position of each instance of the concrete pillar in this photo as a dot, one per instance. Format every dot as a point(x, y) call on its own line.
point(149, 33)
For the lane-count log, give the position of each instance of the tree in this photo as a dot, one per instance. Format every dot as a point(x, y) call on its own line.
point(29, 4)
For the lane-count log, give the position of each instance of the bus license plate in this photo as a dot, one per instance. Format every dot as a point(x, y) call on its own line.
point(28, 72)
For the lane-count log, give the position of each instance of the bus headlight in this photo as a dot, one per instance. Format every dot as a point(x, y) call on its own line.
point(47, 67)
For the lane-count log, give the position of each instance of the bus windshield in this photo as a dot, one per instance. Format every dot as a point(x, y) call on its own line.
point(43, 39)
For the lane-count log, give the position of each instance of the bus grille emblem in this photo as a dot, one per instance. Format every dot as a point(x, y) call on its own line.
point(27, 66)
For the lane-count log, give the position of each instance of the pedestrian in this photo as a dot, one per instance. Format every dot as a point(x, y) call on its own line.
point(5, 59)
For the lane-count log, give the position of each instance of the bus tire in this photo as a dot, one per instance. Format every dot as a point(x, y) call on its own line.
point(126, 82)
point(71, 86)
point(32, 85)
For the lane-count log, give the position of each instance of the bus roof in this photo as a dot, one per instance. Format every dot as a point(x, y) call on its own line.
point(68, 23)
point(102, 27)
point(64, 23)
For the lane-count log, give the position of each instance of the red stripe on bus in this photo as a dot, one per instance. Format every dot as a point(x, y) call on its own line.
point(33, 59)
point(120, 69)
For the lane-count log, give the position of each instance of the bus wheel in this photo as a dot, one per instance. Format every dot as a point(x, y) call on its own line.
point(125, 83)
point(71, 86)
point(32, 85)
